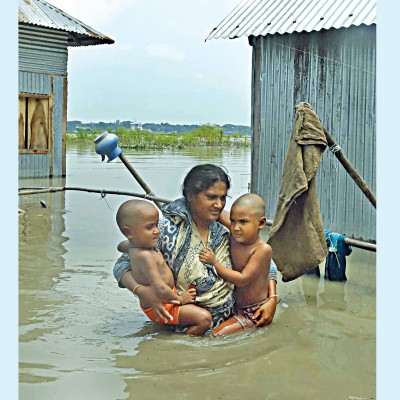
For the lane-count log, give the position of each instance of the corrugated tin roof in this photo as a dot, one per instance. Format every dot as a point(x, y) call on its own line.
point(41, 13)
point(267, 17)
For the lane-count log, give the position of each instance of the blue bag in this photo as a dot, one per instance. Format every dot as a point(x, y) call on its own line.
point(335, 264)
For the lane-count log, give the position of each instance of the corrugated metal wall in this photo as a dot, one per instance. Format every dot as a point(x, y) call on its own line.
point(33, 165)
point(43, 57)
point(34, 83)
point(334, 71)
point(42, 50)
point(57, 125)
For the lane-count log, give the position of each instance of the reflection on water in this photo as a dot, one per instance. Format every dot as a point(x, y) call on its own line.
point(81, 337)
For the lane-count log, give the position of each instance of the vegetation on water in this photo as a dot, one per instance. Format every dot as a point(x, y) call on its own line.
point(204, 135)
point(163, 127)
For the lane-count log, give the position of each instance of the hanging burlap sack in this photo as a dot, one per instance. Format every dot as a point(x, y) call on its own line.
point(297, 234)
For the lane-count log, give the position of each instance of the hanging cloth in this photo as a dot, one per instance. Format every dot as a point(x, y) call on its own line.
point(297, 234)
point(338, 249)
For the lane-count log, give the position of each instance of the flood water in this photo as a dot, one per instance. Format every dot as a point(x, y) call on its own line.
point(81, 337)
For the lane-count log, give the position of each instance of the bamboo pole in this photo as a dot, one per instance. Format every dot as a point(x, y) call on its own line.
point(360, 244)
point(350, 169)
point(100, 191)
point(26, 191)
point(139, 179)
point(351, 242)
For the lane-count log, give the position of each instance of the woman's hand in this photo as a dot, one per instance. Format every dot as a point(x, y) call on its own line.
point(188, 297)
point(224, 219)
point(265, 314)
point(123, 246)
point(207, 256)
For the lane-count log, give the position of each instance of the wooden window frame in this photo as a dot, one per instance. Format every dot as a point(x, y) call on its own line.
point(49, 123)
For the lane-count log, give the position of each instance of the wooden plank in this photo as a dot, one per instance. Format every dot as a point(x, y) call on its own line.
point(64, 126)
point(21, 122)
point(33, 151)
point(51, 107)
point(36, 96)
point(38, 123)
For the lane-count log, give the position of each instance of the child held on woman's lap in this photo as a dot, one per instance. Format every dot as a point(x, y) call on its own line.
point(251, 259)
point(138, 221)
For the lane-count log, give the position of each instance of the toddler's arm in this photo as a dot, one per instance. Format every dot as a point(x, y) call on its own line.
point(146, 294)
point(260, 258)
point(148, 265)
point(265, 314)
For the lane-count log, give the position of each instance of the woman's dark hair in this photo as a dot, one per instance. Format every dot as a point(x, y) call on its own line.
point(201, 177)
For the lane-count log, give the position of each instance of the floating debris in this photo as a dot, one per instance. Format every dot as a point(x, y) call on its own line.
point(43, 203)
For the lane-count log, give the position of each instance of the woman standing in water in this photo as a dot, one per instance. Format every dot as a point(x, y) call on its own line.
point(189, 224)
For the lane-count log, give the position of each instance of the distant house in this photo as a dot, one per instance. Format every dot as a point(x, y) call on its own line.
point(44, 35)
point(136, 125)
point(321, 52)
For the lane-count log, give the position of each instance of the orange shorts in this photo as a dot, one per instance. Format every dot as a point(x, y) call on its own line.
point(171, 308)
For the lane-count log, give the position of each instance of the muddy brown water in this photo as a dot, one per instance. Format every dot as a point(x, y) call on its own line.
point(81, 337)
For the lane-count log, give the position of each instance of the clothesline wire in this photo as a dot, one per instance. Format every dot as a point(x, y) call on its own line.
point(103, 196)
point(324, 58)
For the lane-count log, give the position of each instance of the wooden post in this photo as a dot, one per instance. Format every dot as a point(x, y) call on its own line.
point(64, 127)
point(255, 122)
point(350, 169)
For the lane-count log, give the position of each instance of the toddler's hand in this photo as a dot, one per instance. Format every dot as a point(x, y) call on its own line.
point(188, 297)
point(207, 256)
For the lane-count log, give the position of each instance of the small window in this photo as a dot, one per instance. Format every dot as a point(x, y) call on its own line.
point(33, 124)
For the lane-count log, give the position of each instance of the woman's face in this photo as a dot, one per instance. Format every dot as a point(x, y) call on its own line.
point(208, 204)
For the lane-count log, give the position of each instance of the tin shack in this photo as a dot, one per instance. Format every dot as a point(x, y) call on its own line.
point(44, 35)
point(321, 52)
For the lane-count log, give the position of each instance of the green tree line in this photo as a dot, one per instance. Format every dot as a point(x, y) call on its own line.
point(204, 135)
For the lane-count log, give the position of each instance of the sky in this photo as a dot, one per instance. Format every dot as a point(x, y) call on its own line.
point(160, 69)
